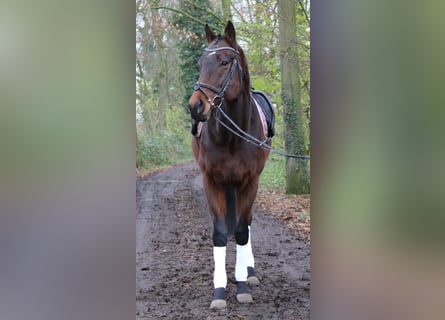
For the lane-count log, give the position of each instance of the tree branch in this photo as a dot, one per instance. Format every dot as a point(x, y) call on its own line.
point(180, 12)
point(205, 10)
point(304, 11)
point(240, 15)
point(141, 75)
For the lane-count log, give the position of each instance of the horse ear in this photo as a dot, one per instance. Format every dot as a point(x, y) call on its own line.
point(229, 32)
point(210, 35)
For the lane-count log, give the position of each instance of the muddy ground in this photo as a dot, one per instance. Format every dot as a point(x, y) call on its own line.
point(175, 264)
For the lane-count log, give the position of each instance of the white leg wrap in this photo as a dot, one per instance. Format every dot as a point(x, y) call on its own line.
point(250, 260)
point(242, 254)
point(220, 276)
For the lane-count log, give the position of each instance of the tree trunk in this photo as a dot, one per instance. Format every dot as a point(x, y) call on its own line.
point(161, 76)
point(297, 173)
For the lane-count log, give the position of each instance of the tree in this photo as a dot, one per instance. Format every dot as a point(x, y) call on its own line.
point(193, 40)
point(226, 11)
point(297, 173)
point(151, 67)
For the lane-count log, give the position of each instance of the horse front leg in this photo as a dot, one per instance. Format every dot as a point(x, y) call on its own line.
point(217, 206)
point(219, 257)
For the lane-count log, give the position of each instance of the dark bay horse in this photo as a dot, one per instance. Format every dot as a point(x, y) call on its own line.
point(230, 165)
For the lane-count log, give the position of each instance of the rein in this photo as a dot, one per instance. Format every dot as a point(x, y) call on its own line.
point(251, 139)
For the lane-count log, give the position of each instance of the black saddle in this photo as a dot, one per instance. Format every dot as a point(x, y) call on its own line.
point(265, 104)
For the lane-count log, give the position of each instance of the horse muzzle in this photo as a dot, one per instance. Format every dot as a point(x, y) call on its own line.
point(199, 110)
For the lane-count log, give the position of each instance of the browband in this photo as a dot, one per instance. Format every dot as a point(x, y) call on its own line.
point(221, 48)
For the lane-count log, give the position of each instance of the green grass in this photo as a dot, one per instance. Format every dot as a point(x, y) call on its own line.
point(273, 176)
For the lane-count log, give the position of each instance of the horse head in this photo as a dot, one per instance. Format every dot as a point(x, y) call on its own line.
point(223, 73)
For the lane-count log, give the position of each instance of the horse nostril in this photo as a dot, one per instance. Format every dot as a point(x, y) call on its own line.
point(199, 106)
point(197, 109)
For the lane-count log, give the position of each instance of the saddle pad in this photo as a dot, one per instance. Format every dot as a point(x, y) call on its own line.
point(263, 101)
point(262, 118)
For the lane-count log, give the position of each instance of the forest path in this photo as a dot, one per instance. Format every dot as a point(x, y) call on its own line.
point(174, 262)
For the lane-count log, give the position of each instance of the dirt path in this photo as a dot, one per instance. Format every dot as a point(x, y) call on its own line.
point(174, 256)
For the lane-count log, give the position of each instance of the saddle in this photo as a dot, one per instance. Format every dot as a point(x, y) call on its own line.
point(265, 109)
point(263, 101)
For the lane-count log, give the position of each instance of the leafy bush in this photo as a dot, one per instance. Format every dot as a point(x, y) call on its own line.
point(164, 148)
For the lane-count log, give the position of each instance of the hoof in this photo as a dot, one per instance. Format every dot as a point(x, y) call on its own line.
point(253, 281)
point(219, 304)
point(244, 298)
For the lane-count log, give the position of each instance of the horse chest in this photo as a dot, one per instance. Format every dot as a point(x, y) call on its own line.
point(229, 170)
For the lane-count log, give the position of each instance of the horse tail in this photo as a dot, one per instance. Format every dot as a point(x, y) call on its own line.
point(231, 210)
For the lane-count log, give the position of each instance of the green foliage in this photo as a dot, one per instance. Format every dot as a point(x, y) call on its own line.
point(164, 148)
point(193, 41)
point(274, 174)
point(167, 146)
point(260, 36)
point(178, 122)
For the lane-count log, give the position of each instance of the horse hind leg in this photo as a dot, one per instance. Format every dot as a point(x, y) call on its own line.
point(252, 280)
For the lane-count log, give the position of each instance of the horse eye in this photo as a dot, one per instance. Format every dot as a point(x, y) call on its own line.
point(224, 63)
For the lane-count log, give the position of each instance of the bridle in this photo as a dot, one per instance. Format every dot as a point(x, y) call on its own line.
point(218, 99)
